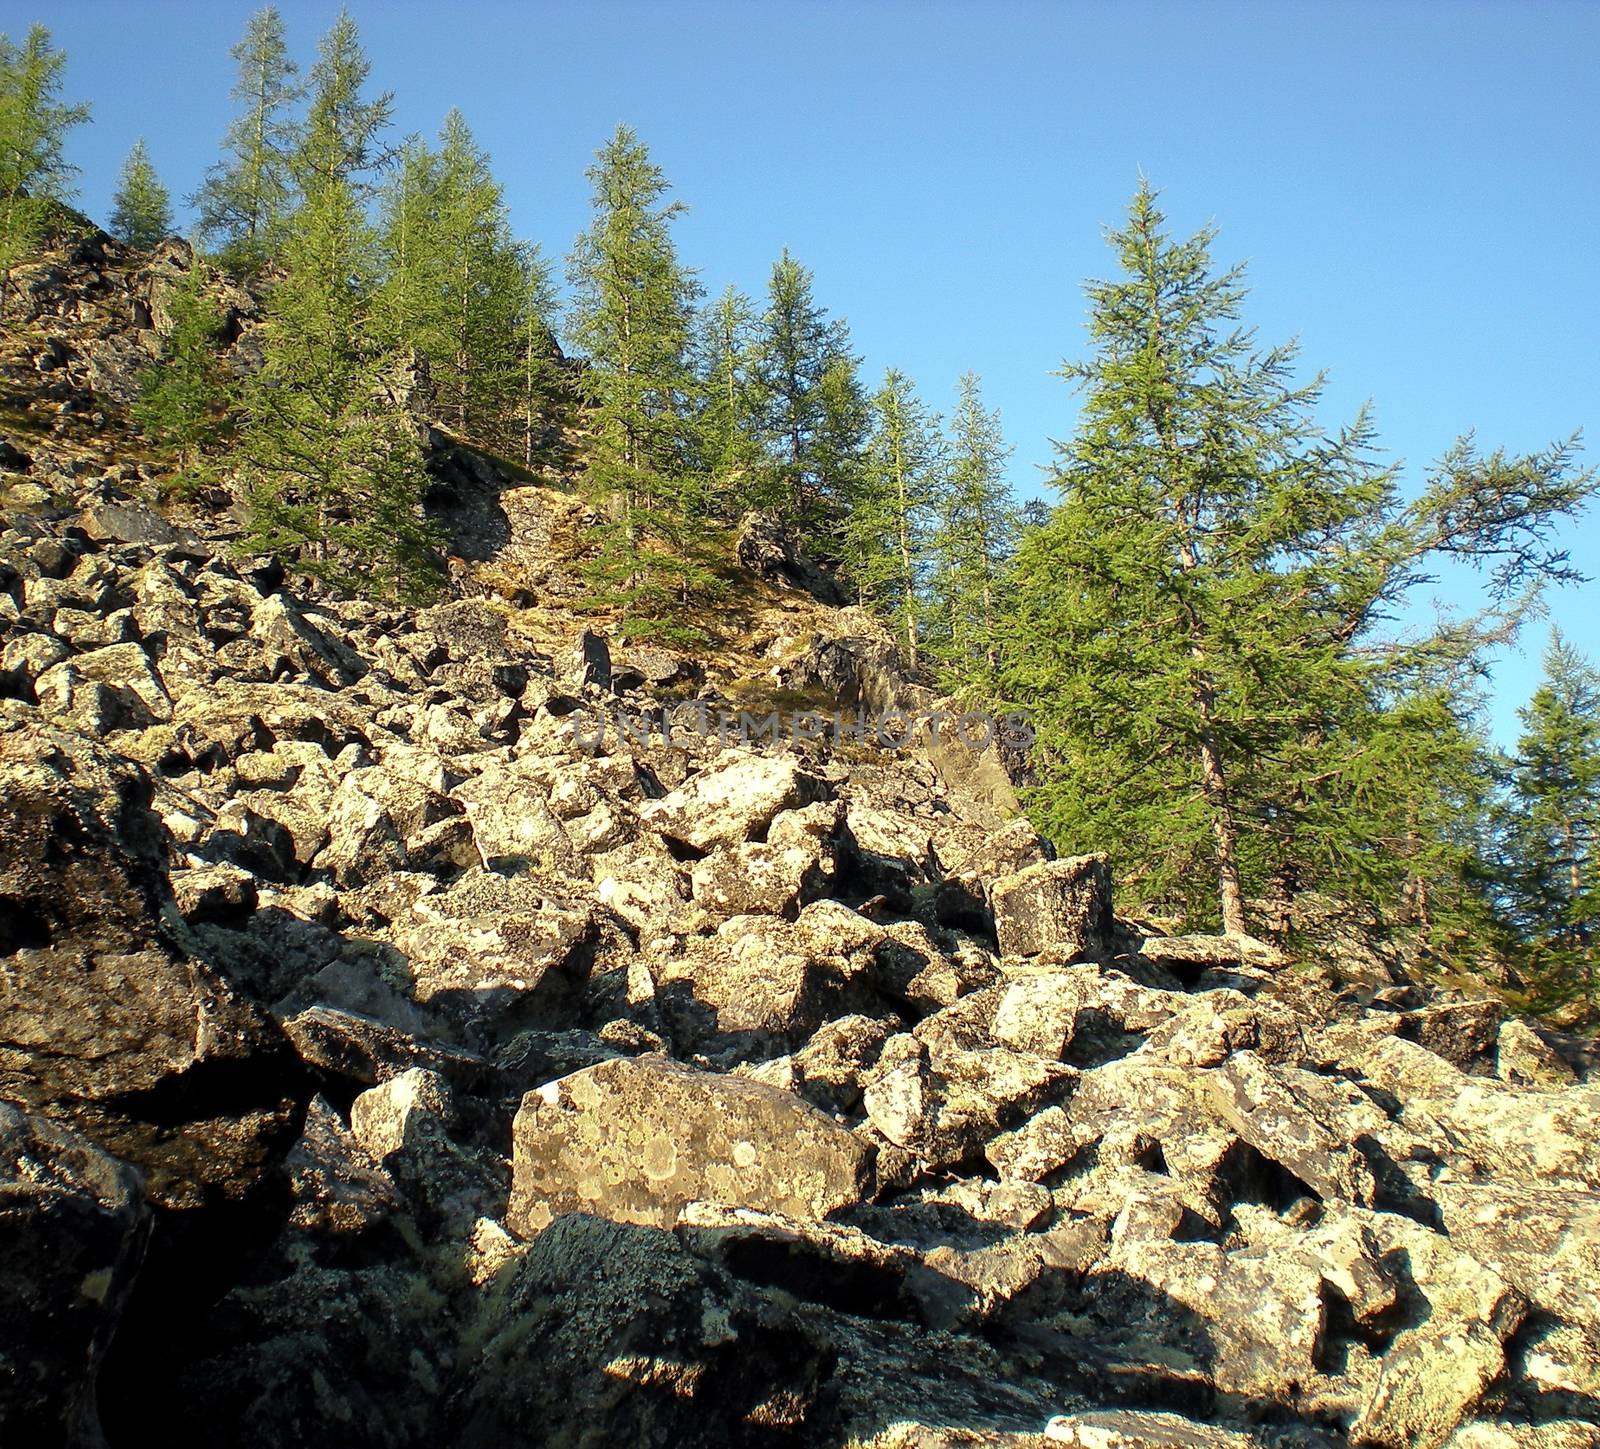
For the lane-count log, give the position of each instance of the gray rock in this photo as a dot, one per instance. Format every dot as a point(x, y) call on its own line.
point(1061, 906)
point(634, 1140)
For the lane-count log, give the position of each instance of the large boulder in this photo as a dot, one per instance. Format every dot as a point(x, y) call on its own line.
point(1060, 906)
point(73, 1226)
point(732, 803)
point(636, 1139)
point(108, 1024)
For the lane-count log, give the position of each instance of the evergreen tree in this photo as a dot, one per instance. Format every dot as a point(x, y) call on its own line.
point(1549, 831)
point(734, 460)
point(888, 531)
point(798, 345)
point(1197, 625)
point(141, 212)
point(973, 543)
point(246, 198)
point(35, 176)
point(333, 463)
point(183, 399)
point(630, 316)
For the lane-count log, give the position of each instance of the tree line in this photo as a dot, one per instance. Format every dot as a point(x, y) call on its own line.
point(1204, 626)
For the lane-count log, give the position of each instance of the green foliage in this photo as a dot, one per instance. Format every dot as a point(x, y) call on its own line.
point(141, 213)
point(456, 287)
point(972, 545)
point(796, 348)
point(1198, 625)
point(631, 314)
point(35, 176)
point(1548, 832)
point(246, 197)
point(888, 531)
point(183, 400)
point(733, 458)
point(333, 464)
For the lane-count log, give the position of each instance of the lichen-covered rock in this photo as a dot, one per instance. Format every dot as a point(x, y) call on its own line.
point(732, 803)
point(1061, 906)
point(107, 1024)
point(634, 1140)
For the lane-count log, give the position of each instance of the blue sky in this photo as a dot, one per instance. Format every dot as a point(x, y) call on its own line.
point(1412, 185)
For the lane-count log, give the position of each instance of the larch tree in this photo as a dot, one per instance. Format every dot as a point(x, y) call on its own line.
point(630, 316)
point(475, 380)
point(141, 209)
point(1198, 627)
point(35, 175)
point(798, 343)
point(539, 358)
point(734, 459)
point(1548, 832)
point(973, 541)
point(247, 197)
point(888, 531)
point(332, 459)
point(183, 400)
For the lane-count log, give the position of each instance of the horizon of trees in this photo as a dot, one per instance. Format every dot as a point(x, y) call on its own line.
point(1201, 626)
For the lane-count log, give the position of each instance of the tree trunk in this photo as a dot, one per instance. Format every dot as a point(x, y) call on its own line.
point(1215, 784)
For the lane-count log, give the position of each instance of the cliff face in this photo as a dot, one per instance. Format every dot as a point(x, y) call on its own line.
point(443, 1027)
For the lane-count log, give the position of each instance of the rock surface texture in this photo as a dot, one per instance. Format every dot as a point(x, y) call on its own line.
point(387, 1062)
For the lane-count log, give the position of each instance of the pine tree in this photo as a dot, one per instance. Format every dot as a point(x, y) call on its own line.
point(35, 176)
point(183, 400)
point(141, 212)
point(798, 345)
point(1549, 831)
point(630, 316)
point(1198, 624)
point(888, 530)
point(333, 462)
point(246, 198)
point(839, 458)
point(973, 543)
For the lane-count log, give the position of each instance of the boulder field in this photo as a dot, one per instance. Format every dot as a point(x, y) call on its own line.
point(390, 1059)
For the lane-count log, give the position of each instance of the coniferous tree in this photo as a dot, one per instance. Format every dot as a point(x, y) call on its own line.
point(839, 456)
point(333, 462)
point(973, 543)
point(35, 175)
point(889, 529)
point(246, 198)
point(1549, 831)
point(1195, 625)
point(798, 345)
point(183, 400)
point(538, 357)
point(630, 316)
point(409, 308)
point(141, 212)
point(476, 379)
point(734, 459)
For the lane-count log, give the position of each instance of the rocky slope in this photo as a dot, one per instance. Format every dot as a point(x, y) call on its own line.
point(386, 1060)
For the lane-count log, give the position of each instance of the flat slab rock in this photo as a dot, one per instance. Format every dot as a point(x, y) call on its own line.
point(636, 1139)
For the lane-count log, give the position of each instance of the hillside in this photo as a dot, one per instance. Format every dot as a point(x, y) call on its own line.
point(391, 1057)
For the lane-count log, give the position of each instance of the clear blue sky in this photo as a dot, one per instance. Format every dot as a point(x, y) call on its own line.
point(1413, 185)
